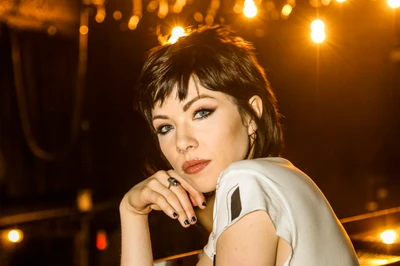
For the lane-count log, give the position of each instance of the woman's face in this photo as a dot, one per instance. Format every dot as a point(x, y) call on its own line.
point(201, 135)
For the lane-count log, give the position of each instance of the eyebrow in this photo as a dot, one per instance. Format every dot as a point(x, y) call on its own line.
point(186, 106)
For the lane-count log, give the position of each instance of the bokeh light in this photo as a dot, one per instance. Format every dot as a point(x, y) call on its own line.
point(15, 236)
point(176, 33)
point(388, 236)
point(394, 3)
point(250, 9)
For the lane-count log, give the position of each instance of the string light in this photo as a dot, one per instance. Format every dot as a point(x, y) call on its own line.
point(286, 10)
point(250, 9)
point(394, 3)
point(388, 236)
point(84, 30)
point(133, 22)
point(163, 9)
point(15, 236)
point(176, 33)
point(318, 31)
point(117, 15)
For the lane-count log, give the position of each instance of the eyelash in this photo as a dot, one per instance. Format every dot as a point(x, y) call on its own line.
point(208, 112)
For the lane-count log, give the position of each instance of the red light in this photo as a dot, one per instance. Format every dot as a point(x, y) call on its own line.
point(101, 240)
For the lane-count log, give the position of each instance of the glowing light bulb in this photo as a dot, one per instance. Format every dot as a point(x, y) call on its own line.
point(388, 236)
point(250, 9)
point(317, 25)
point(286, 10)
point(84, 30)
point(176, 33)
point(318, 31)
point(318, 37)
point(394, 3)
point(15, 236)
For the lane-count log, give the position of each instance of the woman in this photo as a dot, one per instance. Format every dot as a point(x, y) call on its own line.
point(217, 126)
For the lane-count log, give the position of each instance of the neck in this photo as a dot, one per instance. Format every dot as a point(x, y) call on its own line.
point(205, 217)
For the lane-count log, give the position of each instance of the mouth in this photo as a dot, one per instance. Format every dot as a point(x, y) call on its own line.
point(195, 166)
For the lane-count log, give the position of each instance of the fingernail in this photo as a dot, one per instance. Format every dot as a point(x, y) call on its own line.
point(193, 219)
point(204, 204)
point(175, 214)
point(186, 222)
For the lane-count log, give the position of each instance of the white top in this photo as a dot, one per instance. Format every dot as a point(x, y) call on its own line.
point(299, 211)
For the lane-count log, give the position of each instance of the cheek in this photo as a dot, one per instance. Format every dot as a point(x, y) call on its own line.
point(235, 139)
point(166, 150)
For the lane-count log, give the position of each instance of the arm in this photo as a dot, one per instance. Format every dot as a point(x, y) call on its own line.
point(250, 241)
point(136, 244)
point(153, 194)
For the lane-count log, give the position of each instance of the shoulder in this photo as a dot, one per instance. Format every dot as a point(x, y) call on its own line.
point(246, 242)
point(260, 165)
point(246, 171)
point(245, 187)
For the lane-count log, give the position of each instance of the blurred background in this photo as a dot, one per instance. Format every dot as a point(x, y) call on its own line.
point(71, 143)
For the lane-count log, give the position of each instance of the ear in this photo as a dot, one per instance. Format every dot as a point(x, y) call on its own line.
point(257, 104)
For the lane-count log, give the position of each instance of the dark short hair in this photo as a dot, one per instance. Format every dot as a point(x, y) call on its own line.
point(220, 61)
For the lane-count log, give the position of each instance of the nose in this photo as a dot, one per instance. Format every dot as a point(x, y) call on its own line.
point(185, 140)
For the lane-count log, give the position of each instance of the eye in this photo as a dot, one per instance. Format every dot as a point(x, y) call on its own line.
point(163, 129)
point(202, 113)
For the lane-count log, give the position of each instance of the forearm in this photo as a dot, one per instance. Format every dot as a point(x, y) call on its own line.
point(136, 243)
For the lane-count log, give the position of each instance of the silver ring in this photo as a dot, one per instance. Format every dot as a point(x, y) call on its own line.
point(173, 182)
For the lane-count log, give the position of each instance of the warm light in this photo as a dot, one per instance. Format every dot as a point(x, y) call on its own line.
point(379, 262)
point(15, 236)
point(152, 6)
point(318, 37)
point(101, 240)
point(133, 22)
point(326, 2)
point(394, 3)
point(84, 200)
point(51, 30)
point(388, 236)
point(176, 33)
point(318, 31)
point(198, 17)
point(100, 16)
point(84, 30)
point(286, 10)
point(237, 8)
point(340, 1)
point(163, 9)
point(250, 9)
point(317, 25)
point(117, 15)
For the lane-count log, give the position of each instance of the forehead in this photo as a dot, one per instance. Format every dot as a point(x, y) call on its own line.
point(194, 90)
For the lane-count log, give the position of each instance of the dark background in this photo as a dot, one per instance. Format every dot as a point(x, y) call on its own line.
point(339, 100)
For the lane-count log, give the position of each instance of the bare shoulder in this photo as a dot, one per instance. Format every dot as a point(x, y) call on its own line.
point(250, 241)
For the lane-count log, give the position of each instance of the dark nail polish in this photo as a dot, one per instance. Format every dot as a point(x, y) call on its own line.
point(175, 214)
point(193, 219)
point(186, 222)
point(204, 204)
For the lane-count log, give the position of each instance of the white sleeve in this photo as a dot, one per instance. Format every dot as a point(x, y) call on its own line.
point(240, 192)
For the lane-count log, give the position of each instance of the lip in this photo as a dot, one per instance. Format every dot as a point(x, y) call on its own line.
point(194, 166)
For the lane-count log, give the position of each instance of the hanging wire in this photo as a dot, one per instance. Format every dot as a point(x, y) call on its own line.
point(79, 93)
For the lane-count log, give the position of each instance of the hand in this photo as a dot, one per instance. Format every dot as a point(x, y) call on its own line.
point(153, 194)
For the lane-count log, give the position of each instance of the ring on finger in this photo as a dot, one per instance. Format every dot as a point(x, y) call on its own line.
point(173, 182)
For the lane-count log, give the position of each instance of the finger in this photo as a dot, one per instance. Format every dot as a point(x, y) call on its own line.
point(176, 201)
point(159, 202)
point(194, 194)
point(186, 203)
point(194, 203)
